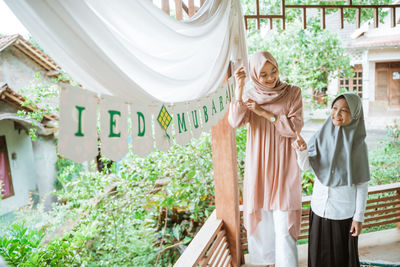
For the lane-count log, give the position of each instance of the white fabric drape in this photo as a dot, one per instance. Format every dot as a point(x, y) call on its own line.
point(134, 50)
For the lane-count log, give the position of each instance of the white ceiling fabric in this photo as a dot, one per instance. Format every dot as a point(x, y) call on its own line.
point(132, 49)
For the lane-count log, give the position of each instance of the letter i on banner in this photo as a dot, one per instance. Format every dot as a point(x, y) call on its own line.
point(77, 139)
point(163, 126)
point(181, 124)
point(142, 129)
point(113, 127)
point(195, 118)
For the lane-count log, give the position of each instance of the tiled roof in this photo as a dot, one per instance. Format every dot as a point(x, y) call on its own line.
point(29, 50)
point(378, 41)
point(14, 99)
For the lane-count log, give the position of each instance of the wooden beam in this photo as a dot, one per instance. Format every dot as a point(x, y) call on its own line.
point(263, 16)
point(393, 17)
point(323, 23)
point(226, 185)
point(342, 6)
point(358, 17)
point(304, 15)
point(271, 24)
point(178, 9)
point(376, 18)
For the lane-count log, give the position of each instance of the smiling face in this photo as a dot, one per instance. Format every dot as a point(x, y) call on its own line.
point(269, 75)
point(340, 113)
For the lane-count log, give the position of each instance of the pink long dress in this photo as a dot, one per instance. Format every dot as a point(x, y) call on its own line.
point(272, 177)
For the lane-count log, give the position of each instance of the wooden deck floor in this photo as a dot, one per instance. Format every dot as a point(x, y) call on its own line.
point(382, 247)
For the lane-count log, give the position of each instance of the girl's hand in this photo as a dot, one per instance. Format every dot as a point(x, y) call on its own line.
point(240, 78)
point(356, 227)
point(253, 106)
point(299, 144)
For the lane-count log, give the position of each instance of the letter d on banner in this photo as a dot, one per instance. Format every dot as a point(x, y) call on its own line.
point(142, 129)
point(77, 139)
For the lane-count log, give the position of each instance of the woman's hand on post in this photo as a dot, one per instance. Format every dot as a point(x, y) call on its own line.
point(240, 78)
point(356, 228)
point(299, 144)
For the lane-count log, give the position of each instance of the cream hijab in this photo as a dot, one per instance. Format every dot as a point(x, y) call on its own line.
point(260, 93)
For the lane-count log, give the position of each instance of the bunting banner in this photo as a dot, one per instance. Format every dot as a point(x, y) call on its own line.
point(77, 138)
point(153, 125)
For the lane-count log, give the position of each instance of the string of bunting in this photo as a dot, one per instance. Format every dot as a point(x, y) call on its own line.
point(86, 118)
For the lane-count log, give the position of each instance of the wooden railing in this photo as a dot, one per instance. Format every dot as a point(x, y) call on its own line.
point(383, 208)
point(209, 247)
point(179, 9)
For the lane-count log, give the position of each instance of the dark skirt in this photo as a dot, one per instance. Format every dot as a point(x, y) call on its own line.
point(330, 243)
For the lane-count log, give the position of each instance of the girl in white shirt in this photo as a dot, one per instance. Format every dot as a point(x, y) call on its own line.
point(338, 156)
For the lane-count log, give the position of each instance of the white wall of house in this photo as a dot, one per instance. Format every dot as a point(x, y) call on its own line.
point(44, 150)
point(24, 178)
point(17, 70)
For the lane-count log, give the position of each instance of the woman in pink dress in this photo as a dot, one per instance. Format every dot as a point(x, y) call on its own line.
point(273, 111)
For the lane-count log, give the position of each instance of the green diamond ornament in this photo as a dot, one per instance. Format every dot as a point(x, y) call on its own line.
point(164, 118)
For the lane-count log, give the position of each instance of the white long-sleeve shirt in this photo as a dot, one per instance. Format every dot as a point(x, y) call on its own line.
point(336, 203)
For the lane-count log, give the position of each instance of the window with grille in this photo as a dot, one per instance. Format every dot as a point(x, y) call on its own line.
point(353, 84)
point(5, 174)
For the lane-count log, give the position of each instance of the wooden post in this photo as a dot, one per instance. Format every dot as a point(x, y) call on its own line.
point(258, 14)
point(358, 17)
point(165, 6)
point(376, 18)
point(341, 18)
point(304, 13)
point(323, 23)
point(191, 8)
point(283, 14)
point(226, 185)
point(393, 17)
point(178, 9)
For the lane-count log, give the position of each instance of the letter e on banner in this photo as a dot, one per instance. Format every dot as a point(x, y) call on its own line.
point(113, 127)
point(77, 138)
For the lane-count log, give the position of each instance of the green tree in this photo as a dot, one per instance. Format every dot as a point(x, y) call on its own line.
point(306, 58)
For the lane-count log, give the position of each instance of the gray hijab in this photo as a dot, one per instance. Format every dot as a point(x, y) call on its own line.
point(338, 154)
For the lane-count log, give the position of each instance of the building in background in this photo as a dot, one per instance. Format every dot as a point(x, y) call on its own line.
point(27, 168)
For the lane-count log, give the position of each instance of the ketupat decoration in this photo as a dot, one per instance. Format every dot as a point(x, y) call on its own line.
point(164, 118)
